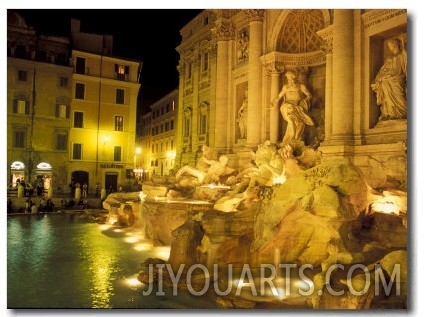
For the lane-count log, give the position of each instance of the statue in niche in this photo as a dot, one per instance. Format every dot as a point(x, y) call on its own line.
point(242, 116)
point(390, 84)
point(294, 108)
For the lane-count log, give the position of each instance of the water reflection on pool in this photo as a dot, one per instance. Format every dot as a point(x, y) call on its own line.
point(62, 261)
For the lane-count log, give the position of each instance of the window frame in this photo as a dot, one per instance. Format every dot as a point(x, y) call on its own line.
point(80, 92)
point(75, 125)
point(63, 142)
point(119, 126)
point(77, 148)
point(22, 138)
point(118, 153)
point(22, 75)
point(119, 96)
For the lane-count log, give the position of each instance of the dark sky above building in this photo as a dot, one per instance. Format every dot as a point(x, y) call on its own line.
point(147, 35)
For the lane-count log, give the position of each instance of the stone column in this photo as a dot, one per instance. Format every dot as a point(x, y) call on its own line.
point(179, 116)
point(274, 69)
point(223, 32)
point(195, 62)
point(343, 77)
point(254, 109)
point(327, 35)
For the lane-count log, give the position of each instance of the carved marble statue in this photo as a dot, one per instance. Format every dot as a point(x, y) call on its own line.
point(390, 83)
point(294, 108)
point(216, 169)
point(242, 116)
point(269, 166)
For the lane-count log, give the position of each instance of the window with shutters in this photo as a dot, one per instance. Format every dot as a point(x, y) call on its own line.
point(22, 75)
point(21, 107)
point(79, 91)
point(76, 151)
point(62, 111)
point(21, 103)
point(61, 141)
point(19, 139)
point(63, 82)
point(119, 96)
point(117, 153)
point(121, 71)
point(80, 67)
point(78, 119)
point(119, 123)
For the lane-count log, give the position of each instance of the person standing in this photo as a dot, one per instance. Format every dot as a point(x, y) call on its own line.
point(84, 193)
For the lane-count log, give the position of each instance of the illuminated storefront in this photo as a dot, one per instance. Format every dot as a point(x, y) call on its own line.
point(17, 172)
point(44, 174)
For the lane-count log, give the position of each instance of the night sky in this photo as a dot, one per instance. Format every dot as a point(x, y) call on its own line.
point(147, 35)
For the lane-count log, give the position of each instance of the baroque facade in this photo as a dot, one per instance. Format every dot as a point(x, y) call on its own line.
point(234, 67)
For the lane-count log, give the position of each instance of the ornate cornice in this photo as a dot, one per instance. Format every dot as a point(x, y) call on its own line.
point(254, 14)
point(374, 17)
point(224, 30)
point(327, 37)
point(274, 67)
point(292, 60)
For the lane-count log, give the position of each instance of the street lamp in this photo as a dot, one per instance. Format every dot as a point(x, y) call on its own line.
point(171, 155)
point(106, 140)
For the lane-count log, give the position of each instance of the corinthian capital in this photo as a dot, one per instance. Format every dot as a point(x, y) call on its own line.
point(327, 39)
point(224, 30)
point(274, 67)
point(255, 14)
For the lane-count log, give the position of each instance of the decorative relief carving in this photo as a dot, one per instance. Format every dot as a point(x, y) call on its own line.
point(208, 46)
point(255, 14)
point(294, 60)
point(224, 31)
point(205, 84)
point(242, 46)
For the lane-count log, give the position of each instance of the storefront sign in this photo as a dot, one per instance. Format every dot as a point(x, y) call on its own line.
point(112, 166)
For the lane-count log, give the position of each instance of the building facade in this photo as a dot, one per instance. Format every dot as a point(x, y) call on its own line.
point(82, 128)
point(234, 65)
point(39, 81)
point(103, 120)
point(158, 137)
